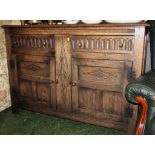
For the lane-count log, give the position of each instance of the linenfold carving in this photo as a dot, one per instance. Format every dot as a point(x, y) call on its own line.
point(106, 43)
point(32, 42)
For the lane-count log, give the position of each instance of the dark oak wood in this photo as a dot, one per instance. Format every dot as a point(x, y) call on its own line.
point(77, 72)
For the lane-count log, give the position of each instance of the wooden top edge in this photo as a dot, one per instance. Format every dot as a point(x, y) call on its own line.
point(77, 25)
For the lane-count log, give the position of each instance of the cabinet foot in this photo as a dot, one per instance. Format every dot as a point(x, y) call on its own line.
point(15, 110)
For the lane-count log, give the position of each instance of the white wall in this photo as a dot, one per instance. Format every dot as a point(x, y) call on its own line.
point(4, 83)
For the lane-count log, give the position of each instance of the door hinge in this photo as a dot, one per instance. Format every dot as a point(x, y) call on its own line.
point(129, 112)
point(131, 75)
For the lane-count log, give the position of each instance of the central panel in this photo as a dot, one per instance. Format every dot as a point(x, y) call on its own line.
point(63, 73)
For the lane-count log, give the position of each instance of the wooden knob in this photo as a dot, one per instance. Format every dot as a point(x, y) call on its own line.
point(121, 45)
point(44, 43)
point(79, 44)
point(74, 84)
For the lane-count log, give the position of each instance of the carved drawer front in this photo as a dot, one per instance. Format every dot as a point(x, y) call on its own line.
point(32, 41)
point(33, 66)
point(102, 43)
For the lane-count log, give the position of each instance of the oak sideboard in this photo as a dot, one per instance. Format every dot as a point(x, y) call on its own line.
point(77, 72)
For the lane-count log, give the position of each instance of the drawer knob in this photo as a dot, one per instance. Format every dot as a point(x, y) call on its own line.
point(79, 44)
point(44, 43)
point(74, 84)
point(121, 45)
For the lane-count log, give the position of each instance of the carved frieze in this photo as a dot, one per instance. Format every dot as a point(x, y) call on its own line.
point(32, 42)
point(103, 43)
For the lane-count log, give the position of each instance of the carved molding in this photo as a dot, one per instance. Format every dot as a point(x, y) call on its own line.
point(32, 42)
point(106, 43)
point(101, 74)
point(32, 67)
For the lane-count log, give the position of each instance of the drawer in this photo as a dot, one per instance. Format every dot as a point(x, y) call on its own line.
point(32, 41)
point(102, 43)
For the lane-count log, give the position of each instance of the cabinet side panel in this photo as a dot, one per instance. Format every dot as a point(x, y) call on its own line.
point(11, 62)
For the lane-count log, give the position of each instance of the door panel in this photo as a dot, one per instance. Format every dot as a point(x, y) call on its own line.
point(36, 80)
point(86, 100)
point(34, 69)
point(97, 89)
point(25, 88)
point(43, 92)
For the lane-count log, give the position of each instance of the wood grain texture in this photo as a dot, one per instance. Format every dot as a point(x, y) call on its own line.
point(63, 73)
point(76, 71)
point(97, 89)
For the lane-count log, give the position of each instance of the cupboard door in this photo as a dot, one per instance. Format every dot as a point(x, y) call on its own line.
point(35, 80)
point(98, 88)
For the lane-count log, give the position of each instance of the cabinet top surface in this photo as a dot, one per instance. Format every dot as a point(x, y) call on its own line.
point(78, 26)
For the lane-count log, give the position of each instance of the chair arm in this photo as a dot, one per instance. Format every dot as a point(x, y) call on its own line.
point(144, 87)
point(141, 92)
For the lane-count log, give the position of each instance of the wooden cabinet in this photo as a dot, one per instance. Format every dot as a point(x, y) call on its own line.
point(77, 72)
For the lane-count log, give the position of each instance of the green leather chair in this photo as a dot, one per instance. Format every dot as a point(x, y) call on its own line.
point(141, 92)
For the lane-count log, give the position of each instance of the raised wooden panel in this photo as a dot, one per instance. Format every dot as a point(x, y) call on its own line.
point(25, 88)
point(100, 43)
point(100, 74)
point(33, 66)
point(35, 69)
point(86, 100)
point(43, 92)
point(110, 102)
